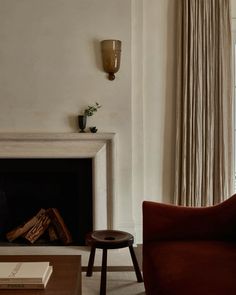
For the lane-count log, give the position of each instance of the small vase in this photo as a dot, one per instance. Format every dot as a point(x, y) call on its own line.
point(93, 129)
point(82, 123)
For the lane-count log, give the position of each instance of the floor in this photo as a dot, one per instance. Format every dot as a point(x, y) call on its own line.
point(118, 283)
point(121, 280)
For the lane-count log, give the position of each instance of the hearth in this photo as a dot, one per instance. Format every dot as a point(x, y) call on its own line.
point(29, 184)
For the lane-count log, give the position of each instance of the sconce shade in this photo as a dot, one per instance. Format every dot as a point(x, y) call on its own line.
point(111, 51)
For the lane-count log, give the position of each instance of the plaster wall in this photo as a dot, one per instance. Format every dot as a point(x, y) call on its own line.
point(233, 8)
point(153, 102)
point(159, 95)
point(50, 70)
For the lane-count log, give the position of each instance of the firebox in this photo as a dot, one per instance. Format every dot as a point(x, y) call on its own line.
point(28, 185)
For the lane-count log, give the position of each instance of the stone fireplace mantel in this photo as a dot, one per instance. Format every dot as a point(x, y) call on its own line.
point(98, 146)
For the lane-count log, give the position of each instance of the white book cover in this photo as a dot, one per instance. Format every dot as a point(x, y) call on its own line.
point(14, 285)
point(22, 272)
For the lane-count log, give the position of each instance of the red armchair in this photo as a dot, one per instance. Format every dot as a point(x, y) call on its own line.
point(189, 251)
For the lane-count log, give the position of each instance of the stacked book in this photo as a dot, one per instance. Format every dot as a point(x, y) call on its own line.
point(24, 275)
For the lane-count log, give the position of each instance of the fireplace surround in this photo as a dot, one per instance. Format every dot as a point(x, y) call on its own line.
point(100, 147)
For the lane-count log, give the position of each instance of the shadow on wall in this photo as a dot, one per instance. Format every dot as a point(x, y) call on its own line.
point(96, 45)
point(72, 120)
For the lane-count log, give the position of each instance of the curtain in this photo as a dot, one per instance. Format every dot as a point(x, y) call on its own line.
point(203, 168)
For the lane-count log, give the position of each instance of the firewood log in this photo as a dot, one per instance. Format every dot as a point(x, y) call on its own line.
point(38, 229)
point(52, 233)
point(22, 229)
point(60, 226)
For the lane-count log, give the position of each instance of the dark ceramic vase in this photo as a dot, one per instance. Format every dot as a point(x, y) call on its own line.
point(82, 123)
point(93, 129)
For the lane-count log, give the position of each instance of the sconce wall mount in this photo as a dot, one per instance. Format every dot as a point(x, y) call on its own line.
point(111, 52)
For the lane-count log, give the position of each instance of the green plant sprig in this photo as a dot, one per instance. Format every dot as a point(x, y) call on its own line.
point(92, 109)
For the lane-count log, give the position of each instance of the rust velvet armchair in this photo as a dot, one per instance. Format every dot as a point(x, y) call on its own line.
point(189, 251)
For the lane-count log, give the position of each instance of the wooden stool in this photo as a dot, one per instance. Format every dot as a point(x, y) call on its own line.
point(110, 239)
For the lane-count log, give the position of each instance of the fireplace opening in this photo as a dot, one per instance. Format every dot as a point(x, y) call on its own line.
point(27, 185)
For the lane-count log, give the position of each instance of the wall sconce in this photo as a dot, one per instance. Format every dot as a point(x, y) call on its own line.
point(111, 50)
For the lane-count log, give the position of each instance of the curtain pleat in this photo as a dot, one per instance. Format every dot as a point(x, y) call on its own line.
point(203, 169)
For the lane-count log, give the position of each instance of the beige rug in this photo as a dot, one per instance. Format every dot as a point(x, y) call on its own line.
point(118, 283)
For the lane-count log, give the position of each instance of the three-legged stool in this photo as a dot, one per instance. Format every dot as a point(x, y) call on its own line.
point(110, 239)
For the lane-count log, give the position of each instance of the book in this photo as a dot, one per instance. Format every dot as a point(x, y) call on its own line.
point(23, 272)
point(42, 285)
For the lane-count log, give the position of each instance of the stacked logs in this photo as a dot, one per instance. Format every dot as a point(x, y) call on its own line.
point(45, 220)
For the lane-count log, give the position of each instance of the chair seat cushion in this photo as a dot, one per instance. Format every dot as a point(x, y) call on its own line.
point(190, 267)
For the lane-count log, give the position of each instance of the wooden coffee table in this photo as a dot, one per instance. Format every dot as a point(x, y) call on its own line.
point(65, 279)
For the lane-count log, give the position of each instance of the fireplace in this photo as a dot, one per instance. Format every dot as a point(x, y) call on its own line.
point(27, 185)
point(69, 158)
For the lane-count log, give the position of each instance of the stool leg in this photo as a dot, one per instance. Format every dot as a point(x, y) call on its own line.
point(136, 266)
point(91, 262)
point(104, 273)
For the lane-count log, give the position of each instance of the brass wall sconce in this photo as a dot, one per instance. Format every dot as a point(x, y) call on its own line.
point(111, 50)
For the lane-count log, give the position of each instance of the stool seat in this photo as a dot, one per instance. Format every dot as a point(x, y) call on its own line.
point(110, 239)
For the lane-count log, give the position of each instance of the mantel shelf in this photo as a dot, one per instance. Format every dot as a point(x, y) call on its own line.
point(56, 136)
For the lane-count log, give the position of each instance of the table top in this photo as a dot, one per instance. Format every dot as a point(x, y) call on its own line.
point(65, 278)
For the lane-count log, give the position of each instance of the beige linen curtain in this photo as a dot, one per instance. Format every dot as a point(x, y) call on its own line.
point(204, 103)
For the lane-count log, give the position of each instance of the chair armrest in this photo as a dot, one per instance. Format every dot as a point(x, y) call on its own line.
point(170, 222)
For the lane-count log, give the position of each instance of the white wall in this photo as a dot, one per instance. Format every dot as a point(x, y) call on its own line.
point(153, 102)
point(233, 8)
point(50, 70)
point(159, 92)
